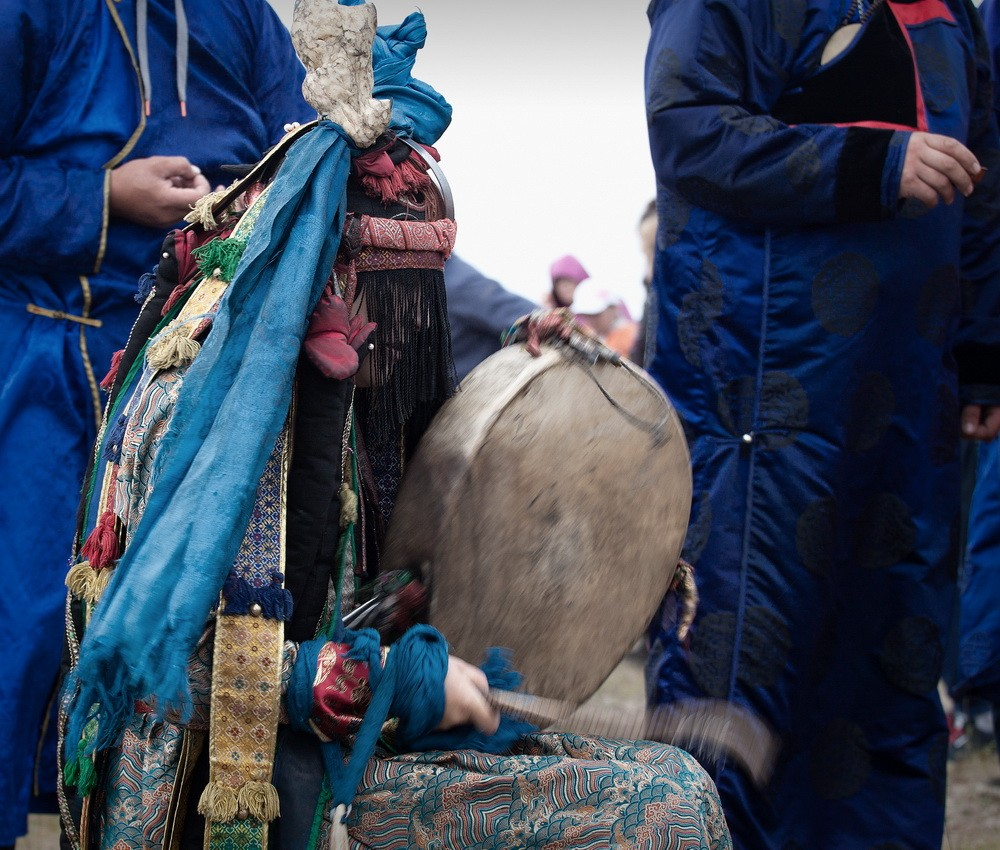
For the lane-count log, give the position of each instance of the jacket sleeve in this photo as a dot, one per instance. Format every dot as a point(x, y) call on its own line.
point(977, 347)
point(53, 211)
point(714, 71)
point(479, 302)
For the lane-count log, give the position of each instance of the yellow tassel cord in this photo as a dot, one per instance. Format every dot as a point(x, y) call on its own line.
point(80, 580)
point(173, 349)
point(218, 803)
point(260, 799)
point(201, 213)
point(101, 581)
point(86, 583)
point(348, 506)
point(687, 590)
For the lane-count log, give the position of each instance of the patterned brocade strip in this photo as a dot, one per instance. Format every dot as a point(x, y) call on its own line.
point(381, 244)
point(240, 801)
point(341, 693)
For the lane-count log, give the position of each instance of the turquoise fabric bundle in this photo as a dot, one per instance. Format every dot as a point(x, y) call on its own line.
point(411, 688)
point(234, 403)
point(419, 112)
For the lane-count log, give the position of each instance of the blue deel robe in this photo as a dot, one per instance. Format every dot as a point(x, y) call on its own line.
point(977, 665)
point(810, 332)
point(70, 109)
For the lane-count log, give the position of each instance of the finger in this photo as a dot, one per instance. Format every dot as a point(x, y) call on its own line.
point(175, 166)
point(923, 192)
point(954, 148)
point(185, 199)
point(949, 167)
point(971, 416)
point(939, 182)
point(991, 422)
point(481, 714)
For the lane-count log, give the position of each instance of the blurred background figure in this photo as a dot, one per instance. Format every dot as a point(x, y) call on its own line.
point(115, 119)
point(479, 311)
point(642, 349)
point(567, 274)
point(602, 310)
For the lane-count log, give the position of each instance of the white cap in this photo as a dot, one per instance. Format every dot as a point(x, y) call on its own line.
point(591, 298)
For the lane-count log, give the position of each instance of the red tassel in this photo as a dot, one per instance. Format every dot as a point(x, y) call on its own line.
point(410, 175)
point(102, 545)
point(175, 296)
point(108, 381)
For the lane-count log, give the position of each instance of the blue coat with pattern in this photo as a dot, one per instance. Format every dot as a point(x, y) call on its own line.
point(818, 335)
point(70, 110)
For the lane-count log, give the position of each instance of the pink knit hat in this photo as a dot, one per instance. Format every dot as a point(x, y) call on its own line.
point(568, 266)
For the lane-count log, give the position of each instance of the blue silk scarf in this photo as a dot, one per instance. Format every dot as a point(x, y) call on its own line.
point(235, 400)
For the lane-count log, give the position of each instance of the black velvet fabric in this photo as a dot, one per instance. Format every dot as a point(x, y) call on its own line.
point(978, 364)
point(858, 195)
point(873, 80)
point(313, 508)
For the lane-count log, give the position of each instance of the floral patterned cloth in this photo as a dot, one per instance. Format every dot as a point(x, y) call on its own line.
point(558, 792)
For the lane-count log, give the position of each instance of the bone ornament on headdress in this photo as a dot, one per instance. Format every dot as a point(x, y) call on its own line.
point(168, 579)
point(335, 45)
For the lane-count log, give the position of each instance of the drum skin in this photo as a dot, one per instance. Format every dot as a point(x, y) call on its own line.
point(544, 519)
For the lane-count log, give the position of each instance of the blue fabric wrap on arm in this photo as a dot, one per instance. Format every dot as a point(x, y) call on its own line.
point(410, 687)
point(499, 675)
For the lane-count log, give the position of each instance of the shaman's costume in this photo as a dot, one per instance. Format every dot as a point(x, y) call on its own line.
point(242, 478)
point(70, 111)
point(809, 327)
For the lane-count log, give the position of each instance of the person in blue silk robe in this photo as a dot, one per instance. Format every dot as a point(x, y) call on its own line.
point(977, 661)
point(91, 185)
point(828, 275)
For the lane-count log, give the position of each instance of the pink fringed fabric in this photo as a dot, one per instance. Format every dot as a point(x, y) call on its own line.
point(387, 243)
point(108, 381)
point(102, 546)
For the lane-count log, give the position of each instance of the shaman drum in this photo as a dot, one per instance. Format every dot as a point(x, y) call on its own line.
point(546, 506)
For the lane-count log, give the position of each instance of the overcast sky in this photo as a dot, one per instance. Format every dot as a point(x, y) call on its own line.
point(547, 152)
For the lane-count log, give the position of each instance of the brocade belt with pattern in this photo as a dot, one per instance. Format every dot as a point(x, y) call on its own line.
point(240, 801)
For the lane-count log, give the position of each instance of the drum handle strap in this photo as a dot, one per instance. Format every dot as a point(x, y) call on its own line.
point(592, 351)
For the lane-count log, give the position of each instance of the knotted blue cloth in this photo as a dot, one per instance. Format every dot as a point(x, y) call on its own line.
point(411, 688)
point(419, 112)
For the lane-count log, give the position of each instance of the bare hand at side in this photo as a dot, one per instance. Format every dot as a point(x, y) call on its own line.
point(157, 191)
point(935, 166)
point(980, 421)
point(465, 690)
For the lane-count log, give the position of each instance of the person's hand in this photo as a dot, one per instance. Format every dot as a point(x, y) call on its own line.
point(156, 191)
point(465, 690)
point(935, 166)
point(980, 421)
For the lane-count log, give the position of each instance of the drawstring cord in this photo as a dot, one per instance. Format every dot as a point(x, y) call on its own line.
point(181, 53)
